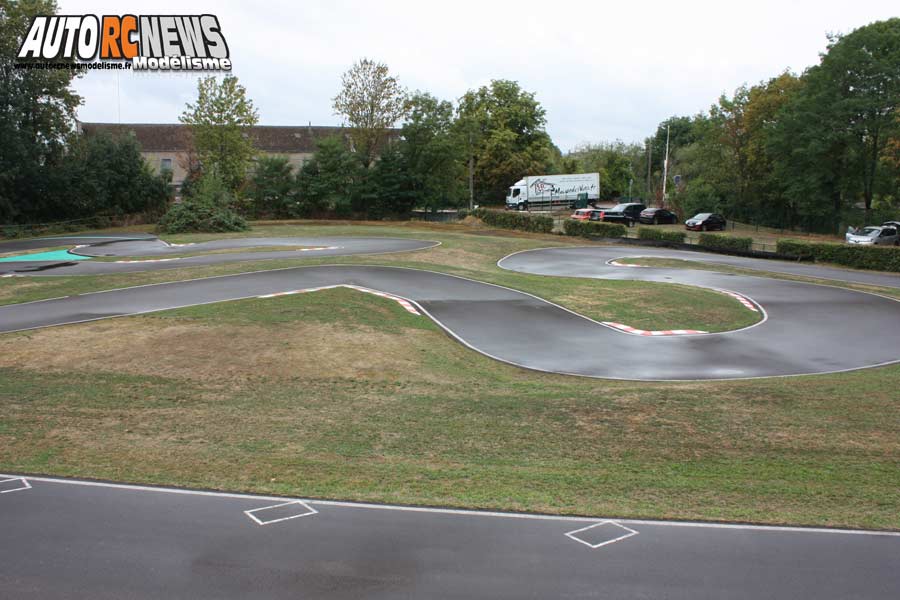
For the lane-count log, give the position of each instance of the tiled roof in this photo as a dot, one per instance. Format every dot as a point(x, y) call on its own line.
point(176, 137)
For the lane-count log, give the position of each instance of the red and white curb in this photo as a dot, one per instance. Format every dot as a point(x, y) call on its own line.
point(749, 304)
point(616, 263)
point(635, 331)
point(151, 260)
point(406, 304)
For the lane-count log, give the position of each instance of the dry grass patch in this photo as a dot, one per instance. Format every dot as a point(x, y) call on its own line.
point(223, 353)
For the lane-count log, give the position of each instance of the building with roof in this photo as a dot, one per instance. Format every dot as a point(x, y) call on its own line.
point(169, 146)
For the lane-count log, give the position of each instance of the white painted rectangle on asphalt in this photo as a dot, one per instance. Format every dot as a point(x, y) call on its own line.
point(601, 534)
point(14, 484)
point(280, 512)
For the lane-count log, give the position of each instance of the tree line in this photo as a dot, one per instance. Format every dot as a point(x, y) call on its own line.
point(402, 149)
point(47, 171)
point(816, 151)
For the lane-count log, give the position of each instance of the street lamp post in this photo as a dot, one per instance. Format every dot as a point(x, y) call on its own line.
point(665, 168)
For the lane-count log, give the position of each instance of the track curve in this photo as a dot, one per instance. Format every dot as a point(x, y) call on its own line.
point(809, 328)
point(160, 252)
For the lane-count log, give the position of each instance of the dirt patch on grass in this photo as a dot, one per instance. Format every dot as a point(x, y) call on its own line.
point(222, 353)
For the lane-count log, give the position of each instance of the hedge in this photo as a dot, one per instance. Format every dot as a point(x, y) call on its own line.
point(594, 229)
point(661, 235)
point(514, 220)
point(878, 258)
point(725, 242)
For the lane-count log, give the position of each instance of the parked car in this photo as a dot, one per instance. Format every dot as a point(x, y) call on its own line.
point(655, 216)
point(874, 236)
point(705, 222)
point(626, 213)
point(582, 214)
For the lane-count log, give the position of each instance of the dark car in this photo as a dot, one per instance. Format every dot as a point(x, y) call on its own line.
point(626, 213)
point(655, 216)
point(705, 222)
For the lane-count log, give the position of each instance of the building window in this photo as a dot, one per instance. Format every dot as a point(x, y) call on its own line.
point(165, 164)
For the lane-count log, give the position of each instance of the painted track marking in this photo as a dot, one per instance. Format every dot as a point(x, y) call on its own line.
point(644, 332)
point(22, 485)
point(456, 511)
point(406, 304)
point(305, 510)
point(617, 528)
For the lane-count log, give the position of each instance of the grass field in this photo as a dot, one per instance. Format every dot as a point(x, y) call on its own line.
point(345, 395)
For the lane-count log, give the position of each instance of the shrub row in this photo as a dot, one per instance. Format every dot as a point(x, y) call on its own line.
point(725, 242)
point(594, 229)
point(514, 220)
point(661, 235)
point(878, 258)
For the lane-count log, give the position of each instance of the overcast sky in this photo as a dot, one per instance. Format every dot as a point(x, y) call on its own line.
point(603, 71)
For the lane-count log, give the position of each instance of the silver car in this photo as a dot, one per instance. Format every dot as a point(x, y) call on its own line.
point(874, 236)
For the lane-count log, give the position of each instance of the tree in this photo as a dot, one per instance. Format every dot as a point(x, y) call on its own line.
point(503, 127)
point(831, 136)
point(106, 175)
point(272, 189)
point(392, 186)
point(432, 152)
point(371, 101)
point(863, 69)
point(331, 179)
point(220, 122)
point(615, 162)
point(37, 110)
point(766, 203)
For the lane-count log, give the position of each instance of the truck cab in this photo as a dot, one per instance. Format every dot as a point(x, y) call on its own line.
point(517, 196)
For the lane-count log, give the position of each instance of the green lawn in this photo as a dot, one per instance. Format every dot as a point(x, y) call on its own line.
point(340, 394)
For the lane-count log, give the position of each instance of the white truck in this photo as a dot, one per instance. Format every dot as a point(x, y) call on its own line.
point(548, 191)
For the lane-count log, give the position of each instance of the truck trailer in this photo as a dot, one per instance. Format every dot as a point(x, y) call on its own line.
point(549, 191)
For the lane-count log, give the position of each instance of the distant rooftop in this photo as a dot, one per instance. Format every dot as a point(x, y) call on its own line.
point(175, 137)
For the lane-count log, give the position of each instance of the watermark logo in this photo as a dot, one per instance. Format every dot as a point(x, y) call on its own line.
point(139, 42)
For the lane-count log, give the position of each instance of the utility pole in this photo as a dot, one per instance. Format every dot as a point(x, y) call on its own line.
point(649, 154)
point(665, 168)
point(471, 174)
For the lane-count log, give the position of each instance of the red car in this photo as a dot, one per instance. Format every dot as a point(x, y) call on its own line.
point(583, 214)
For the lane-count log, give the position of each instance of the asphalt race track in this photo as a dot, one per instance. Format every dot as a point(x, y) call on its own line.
point(75, 539)
point(807, 328)
point(161, 254)
point(69, 539)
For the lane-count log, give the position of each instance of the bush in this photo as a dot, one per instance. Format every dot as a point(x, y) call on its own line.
point(514, 220)
point(661, 235)
point(877, 258)
point(726, 242)
point(207, 210)
point(594, 229)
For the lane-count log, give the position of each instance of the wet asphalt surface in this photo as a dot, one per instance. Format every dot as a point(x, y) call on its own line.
point(62, 540)
point(807, 328)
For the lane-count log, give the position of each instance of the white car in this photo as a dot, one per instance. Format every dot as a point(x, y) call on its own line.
point(885, 235)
